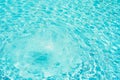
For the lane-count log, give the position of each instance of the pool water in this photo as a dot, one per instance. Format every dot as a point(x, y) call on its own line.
point(59, 39)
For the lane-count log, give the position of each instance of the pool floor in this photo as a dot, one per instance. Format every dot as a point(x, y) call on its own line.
point(59, 40)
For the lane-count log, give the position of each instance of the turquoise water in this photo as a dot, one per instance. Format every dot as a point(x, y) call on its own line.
point(59, 39)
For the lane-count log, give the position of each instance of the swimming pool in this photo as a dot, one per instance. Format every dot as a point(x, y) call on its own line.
point(59, 40)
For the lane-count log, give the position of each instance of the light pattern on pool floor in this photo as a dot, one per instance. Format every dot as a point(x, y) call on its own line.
point(59, 39)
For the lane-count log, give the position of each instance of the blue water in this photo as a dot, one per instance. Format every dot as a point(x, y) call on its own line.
point(59, 39)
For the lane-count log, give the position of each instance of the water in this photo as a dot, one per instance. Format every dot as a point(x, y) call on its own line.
point(59, 40)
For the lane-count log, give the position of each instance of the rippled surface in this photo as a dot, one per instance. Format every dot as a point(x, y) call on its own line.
point(59, 40)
